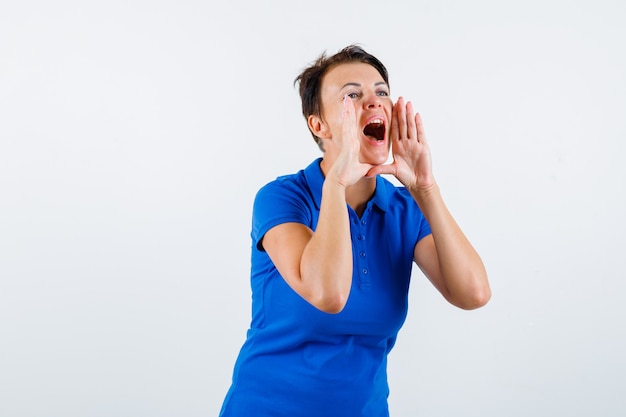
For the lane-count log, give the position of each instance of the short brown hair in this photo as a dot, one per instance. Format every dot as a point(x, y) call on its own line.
point(310, 79)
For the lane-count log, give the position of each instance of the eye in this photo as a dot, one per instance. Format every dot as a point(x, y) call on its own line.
point(382, 93)
point(353, 95)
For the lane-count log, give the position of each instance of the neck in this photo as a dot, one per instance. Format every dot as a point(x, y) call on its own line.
point(359, 194)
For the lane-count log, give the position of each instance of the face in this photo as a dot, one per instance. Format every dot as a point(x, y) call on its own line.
point(370, 95)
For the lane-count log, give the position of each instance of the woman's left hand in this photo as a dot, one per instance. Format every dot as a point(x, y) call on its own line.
point(411, 154)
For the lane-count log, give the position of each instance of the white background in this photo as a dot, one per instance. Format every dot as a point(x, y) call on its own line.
point(134, 135)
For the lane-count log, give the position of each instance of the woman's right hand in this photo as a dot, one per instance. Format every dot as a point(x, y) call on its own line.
point(347, 168)
point(318, 264)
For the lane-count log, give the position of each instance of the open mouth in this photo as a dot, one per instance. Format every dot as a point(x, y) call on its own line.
point(375, 129)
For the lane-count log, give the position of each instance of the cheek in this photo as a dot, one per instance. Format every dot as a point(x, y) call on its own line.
point(333, 118)
point(389, 110)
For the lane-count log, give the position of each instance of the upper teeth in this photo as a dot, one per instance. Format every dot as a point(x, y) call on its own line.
point(376, 121)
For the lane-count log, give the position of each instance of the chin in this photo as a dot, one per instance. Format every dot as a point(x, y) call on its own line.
point(376, 159)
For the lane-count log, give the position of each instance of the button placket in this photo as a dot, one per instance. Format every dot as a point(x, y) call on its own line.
point(360, 249)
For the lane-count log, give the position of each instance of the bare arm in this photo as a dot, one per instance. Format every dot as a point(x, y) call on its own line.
point(318, 265)
point(447, 258)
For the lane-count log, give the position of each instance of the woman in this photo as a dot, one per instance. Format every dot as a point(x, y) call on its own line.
point(333, 247)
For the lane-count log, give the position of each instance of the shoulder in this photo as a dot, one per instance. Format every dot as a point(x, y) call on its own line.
point(285, 186)
point(304, 186)
point(287, 199)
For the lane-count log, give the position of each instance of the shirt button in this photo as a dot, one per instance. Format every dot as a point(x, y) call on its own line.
point(363, 222)
point(364, 270)
point(362, 254)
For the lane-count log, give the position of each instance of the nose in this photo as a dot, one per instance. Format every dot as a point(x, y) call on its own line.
point(373, 101)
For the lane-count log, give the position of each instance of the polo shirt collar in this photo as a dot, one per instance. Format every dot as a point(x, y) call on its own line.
point(315, 179)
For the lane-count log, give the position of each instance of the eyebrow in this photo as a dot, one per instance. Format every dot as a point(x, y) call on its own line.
point(359, 85)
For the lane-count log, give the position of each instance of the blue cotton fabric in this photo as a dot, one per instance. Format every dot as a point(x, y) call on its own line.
point(298, 361)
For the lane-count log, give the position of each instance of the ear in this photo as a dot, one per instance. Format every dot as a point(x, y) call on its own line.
point(318, 127)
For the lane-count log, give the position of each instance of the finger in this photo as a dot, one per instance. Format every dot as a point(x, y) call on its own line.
point(411, 125)
point(349, 117)
point(393, 135)
point(419, 125)
point(402, 125)
point(348, 108)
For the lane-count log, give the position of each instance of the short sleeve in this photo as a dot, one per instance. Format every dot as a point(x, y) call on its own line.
point(423, 227)
point(280, 201)
point(410, 216)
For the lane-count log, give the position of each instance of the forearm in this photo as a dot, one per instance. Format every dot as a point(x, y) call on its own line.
point(326, 264)
point(463, 278)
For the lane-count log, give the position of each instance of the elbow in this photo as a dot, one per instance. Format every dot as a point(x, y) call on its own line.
point(476, 298)
point(334, 305)
point(331, 295)
point(331, 303)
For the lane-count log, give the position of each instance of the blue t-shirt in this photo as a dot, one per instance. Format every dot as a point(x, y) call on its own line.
point(298, 361)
